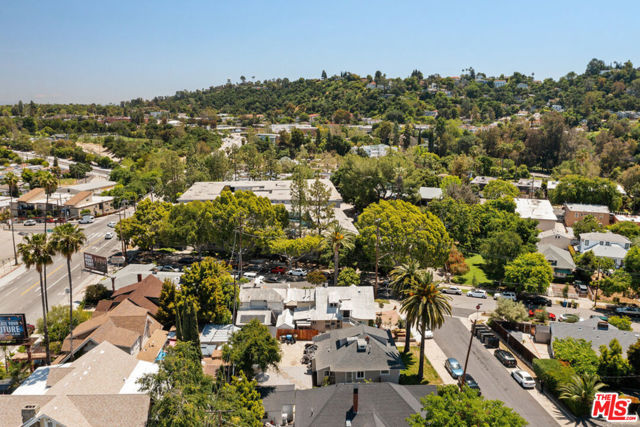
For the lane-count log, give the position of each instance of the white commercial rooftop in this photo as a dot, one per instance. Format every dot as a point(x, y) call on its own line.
point(539, 209)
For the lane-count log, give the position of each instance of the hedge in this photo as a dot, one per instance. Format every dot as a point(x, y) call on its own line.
point(555, 374)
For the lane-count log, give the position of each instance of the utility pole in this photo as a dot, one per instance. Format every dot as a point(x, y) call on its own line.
point(461, 382)
point(375, 289)
point(238, 275)
point(599, 276)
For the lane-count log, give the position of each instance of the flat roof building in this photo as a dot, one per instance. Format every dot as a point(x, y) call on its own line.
point(538, 209)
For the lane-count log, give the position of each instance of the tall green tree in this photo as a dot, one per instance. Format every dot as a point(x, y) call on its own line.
point(252, 346)
point(167, 304)
point(49, 183)
point(321, 210)
point(450, 407)
point(37, 252)
point(299, 197)
point(11, 180)
point(404, 233)
point(402, 278)
point(337, 238)
point(210, 284)
point(187, 321)
point(612, 364)
point(499, 188)
point(425, 307)
point(530, 273)
point(67, 239)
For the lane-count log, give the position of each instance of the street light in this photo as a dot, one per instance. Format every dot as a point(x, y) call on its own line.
point(466, 360)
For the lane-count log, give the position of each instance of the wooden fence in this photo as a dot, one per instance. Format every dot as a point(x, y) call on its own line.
point(525, 354)
point(301, 334)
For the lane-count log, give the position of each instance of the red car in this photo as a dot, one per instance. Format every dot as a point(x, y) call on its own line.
point(278, 270)
point(533, 312)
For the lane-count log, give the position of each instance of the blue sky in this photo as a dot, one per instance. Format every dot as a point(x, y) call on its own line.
point(86, 51)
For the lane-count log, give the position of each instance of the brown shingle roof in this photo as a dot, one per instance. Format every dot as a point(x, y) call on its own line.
point(150, 287)
point(36, 192)
point(11, 407)
point(153, 346)
point(78, 198)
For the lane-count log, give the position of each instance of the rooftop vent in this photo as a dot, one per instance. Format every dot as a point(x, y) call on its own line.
point(362, 344)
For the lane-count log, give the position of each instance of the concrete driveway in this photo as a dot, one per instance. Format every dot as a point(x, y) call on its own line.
point(290, 370)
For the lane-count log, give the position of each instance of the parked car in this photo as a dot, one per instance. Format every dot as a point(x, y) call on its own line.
point(523, 378)
point(537, 301)
point(629, 310)
point(30, 222)
point(278, 269)
point(454, 290)
point(108, 235)
point(168, 268)
point(581, 287)
point(599, 316)
point(477, 293)
point(471, 383)
point(453, 366)
point(250, 274)
point(111, 224)
point(506, 295)
point(297, 272)
point(506, 358)
point(274, 279)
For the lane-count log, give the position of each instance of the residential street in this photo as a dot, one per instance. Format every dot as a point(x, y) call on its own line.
point(494, 379)
point(21, 291)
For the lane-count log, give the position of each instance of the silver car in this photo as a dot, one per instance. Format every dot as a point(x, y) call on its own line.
point(523, 378)
point(452, 290)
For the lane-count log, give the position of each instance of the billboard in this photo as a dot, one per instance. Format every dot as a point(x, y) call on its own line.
point(95, 262)
point(13, 329)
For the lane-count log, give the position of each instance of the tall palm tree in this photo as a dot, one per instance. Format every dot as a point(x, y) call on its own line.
point(11, 179)
point(425, 306)
point(50, 183)
point(401, 279)
point(338, 237)
point(582, 390)
point(37, 252)
point(67, 239)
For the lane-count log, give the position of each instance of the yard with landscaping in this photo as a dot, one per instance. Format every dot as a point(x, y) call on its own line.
point(409, 376)
point(475, 262)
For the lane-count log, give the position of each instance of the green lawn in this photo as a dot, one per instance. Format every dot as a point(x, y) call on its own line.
point(409, 375)
point(474, 264)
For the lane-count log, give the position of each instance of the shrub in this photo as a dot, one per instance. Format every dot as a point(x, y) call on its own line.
point(95, 293)
point(348, 277)
point(554, 374)
point(578, 353)
point(510, 311)
point(621, 322)
point(316, 277)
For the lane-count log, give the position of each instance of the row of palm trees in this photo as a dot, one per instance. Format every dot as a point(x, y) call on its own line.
point(38, 251)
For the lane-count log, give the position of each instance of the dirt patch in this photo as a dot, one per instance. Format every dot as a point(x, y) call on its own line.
point(98, 149)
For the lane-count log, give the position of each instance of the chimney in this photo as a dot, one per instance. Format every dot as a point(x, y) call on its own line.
point(29, 412)
point(355, 400)
point(139, 277)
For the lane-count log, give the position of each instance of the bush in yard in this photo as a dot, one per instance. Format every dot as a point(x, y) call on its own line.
point(316, 277)
point(348, 277)
point(456, 264)
point(510, 311)
point(621, 322)
point(95, 293)
point(578, 353)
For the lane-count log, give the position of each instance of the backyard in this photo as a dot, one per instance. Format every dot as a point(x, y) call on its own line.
point(409, 376)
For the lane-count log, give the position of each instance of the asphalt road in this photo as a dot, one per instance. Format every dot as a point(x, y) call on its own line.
point(22, 294)
point(494, 379)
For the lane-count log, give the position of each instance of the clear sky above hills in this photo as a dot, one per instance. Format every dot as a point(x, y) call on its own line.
point(86, 51)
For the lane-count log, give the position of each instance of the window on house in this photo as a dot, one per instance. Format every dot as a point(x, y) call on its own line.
point(360, 375)
point(326, 373)
point(385, 372)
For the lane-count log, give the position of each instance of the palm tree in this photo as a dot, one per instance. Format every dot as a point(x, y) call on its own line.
point(67, 239)
point(401, 279)
point(36, 252)
point(425, 306)
point(582, 390)
point(337, 238)
point(50, 183)
point(11, 179)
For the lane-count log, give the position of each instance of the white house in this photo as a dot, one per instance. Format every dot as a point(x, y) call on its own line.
point(538, 209)
point(608, 245)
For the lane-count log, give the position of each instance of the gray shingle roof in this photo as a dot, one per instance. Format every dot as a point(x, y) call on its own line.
point(605, 237)
point(589, 331)
point(379, 404)
point(338, 350)
point(562, 257)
